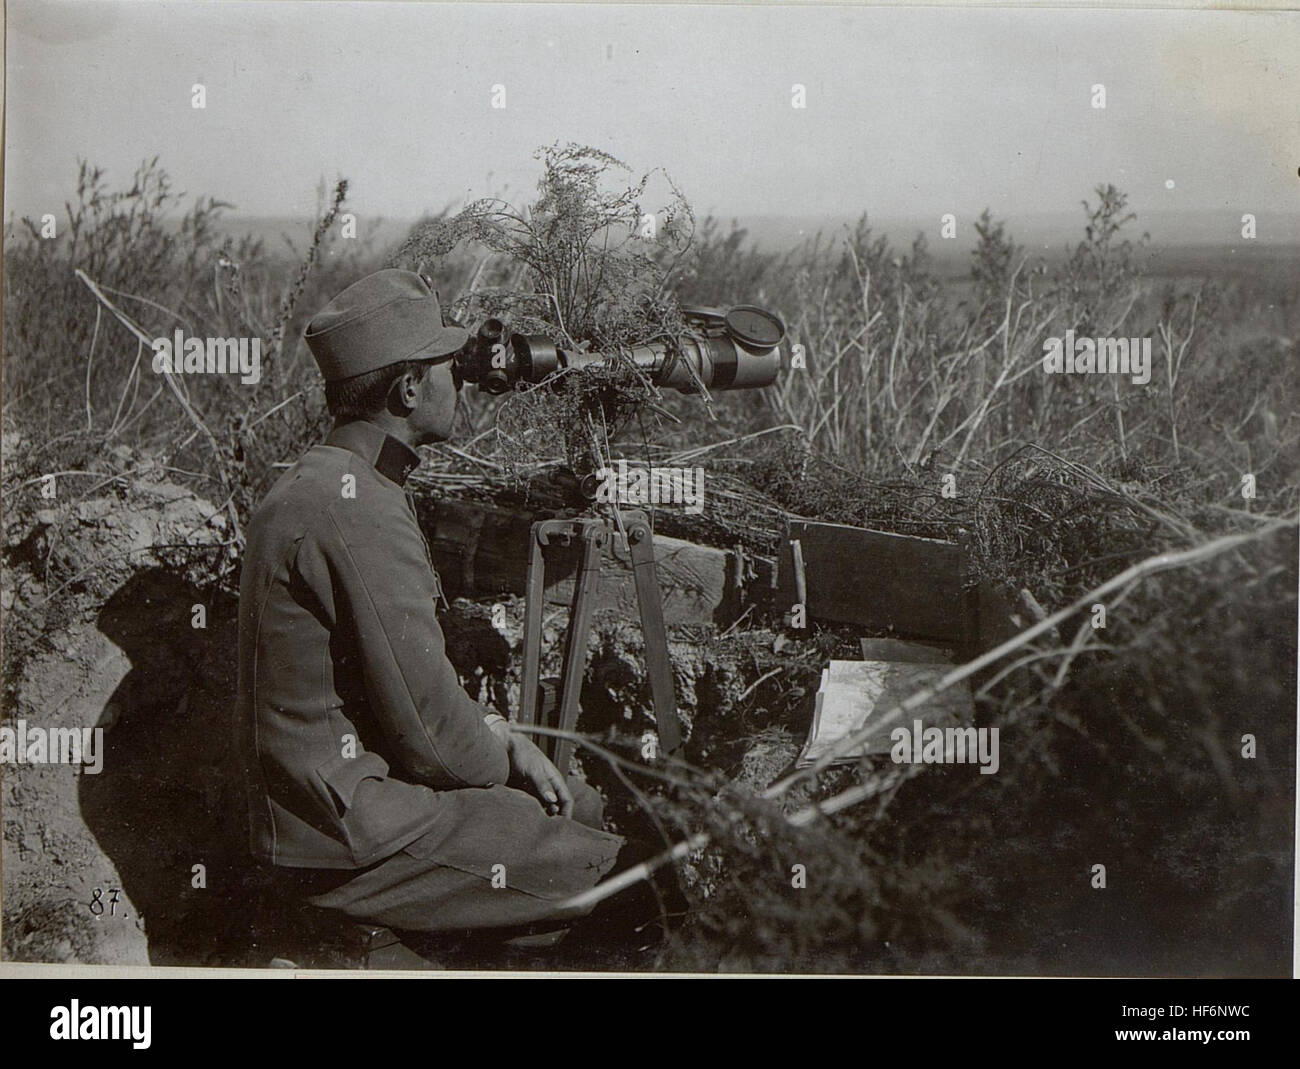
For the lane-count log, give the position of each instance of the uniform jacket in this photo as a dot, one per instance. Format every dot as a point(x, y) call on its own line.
point(355, 723)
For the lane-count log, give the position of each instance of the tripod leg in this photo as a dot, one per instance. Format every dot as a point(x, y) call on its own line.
point(594, 537)
point(659, 668)
point(533, 595)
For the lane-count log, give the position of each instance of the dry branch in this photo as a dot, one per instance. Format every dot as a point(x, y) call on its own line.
point(194, 417)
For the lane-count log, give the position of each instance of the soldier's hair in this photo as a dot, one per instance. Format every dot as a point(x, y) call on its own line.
point(367, 394)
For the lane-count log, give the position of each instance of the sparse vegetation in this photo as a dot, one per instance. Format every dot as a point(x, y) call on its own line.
point(1122, 744)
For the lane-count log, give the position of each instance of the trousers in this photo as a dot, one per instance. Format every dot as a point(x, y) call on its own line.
point(510, 872)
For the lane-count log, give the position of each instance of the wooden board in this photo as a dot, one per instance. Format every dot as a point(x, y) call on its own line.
point(879, 581)
point(481, 550)
point(892, 649)
point(912, 586)
point(698, 583)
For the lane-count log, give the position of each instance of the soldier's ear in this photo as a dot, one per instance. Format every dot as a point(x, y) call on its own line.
point(404, 394)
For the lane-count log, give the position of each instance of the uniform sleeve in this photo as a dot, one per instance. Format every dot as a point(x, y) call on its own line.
point(384, 587)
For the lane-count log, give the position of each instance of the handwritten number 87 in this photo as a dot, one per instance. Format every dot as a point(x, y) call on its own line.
point(97, 901)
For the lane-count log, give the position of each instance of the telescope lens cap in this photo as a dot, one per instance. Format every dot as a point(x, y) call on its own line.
point(754, 328)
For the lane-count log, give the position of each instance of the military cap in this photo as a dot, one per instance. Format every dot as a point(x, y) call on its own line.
point(385, 318)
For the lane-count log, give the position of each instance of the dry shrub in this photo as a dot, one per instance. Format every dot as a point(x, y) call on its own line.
point(573, 265)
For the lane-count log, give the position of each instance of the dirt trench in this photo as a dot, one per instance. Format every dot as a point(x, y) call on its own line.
point(146, 861)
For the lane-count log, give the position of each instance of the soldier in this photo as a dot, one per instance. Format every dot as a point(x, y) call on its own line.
point(364, 755)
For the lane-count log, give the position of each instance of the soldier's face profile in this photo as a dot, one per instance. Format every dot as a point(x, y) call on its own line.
point(435, 408)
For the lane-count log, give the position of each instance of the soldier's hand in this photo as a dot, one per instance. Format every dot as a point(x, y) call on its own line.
point(532, 766)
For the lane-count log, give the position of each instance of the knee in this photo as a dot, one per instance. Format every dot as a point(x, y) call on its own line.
point(588, 806)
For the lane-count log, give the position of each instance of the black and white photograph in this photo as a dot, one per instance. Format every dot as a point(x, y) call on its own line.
point(664, 489)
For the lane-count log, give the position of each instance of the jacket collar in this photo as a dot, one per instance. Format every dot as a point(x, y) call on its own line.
point(393, 460)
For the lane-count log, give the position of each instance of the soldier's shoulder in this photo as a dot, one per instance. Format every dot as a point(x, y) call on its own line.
point(330, 490)
point(302, 495)
point(304, 479)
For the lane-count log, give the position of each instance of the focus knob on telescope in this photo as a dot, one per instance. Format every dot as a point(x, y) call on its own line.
point(495, 381)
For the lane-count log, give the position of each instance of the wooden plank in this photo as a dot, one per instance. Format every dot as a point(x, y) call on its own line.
point(697, 583)
point(912, 586)
point(876, 580)
point(481, 550)
point(892, 649)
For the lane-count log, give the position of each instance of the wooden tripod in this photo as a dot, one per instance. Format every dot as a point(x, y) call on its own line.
point(539, 702)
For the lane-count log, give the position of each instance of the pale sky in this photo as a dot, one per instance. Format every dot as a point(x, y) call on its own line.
point(910, 112)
